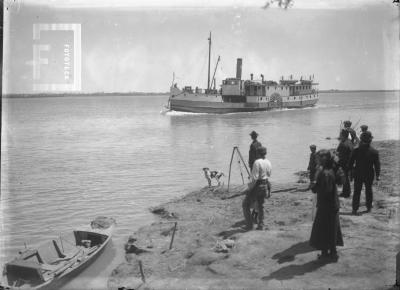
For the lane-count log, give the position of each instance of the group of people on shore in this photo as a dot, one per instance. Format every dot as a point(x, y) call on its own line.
point(354, 159)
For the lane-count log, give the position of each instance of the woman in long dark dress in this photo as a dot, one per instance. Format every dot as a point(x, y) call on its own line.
point(326, 233)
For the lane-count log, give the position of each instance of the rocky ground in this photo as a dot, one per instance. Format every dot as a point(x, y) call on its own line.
point(210, 250)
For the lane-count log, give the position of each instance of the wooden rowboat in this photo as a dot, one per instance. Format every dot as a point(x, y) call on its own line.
point(51, 264)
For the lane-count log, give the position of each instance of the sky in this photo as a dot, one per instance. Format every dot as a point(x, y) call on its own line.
point(139, 45)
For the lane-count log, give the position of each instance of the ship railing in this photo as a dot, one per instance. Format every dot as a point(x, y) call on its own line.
point(302, 93)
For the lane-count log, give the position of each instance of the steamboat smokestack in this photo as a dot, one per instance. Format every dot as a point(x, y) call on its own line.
point(239, 68)
point(251, 76)
point(262, 78)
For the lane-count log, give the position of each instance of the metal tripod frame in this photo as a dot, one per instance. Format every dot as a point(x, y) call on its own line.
point(236, 149)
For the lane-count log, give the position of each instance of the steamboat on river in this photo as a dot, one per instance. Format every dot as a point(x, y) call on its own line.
point(238, 95)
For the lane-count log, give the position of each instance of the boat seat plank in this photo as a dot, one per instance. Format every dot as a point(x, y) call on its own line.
point(67, 258)
point(51, 267)
point(65, 255)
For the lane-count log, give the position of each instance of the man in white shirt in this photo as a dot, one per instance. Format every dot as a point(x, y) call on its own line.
point(261, 189)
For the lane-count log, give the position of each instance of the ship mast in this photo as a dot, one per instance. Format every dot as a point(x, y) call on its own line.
point(215, 70)
point(209, 60)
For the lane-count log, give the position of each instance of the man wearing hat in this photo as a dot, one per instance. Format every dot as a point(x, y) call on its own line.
point(352, 132)
point(366, 164)
point(253, 149)
point(312, 164)
point(344, 151)
point(364, 128)
point(260, 173)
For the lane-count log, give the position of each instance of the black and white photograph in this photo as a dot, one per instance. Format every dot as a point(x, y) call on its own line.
point(197, 144)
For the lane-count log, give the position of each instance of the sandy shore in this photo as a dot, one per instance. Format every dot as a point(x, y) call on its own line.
point(276, 258)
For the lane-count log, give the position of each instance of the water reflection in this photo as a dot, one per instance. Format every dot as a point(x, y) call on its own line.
point(67, 160)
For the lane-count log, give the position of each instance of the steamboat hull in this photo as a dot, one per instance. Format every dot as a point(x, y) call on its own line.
point(221, 107)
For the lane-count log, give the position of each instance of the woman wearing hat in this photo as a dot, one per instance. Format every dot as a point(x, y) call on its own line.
point(326, 233)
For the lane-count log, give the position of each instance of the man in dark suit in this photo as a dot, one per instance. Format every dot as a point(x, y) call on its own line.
point(253, 149)
point(366, 164)
point(344, 151)
point(312, 164)
point(352, 132)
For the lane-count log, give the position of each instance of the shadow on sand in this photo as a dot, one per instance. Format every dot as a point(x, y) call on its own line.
point(237, 227)
point(288, 272)
point(351, 213)
point(289, 254)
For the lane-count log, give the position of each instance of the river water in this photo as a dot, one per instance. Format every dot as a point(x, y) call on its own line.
point(66, 160)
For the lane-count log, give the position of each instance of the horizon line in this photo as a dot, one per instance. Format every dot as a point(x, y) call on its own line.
point(164, 93)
